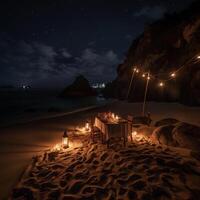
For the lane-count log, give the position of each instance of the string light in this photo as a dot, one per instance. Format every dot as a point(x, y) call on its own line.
point(173, 75)
point(135, 69)
point(161, 84)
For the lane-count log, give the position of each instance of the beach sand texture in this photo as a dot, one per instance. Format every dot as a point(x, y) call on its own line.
point(92, 171)
point(18, 143)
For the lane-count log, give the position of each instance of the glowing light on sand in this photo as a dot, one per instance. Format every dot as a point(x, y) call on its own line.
point(87, 126)
point(57, 147)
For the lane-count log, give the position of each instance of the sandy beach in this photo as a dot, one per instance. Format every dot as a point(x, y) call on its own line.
point(20, 143)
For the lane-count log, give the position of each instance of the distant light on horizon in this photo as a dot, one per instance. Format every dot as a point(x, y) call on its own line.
point(99, 85)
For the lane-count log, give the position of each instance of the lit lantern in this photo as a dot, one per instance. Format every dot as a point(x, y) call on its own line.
point(65, 140)
point(137, 71)
point(87, 126)
point(148, 78)
point(143, 75)
point(198, 57)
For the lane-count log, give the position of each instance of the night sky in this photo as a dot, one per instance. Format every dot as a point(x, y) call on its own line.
point(47, 43)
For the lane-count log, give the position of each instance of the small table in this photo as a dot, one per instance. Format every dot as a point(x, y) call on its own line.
point(112, 129)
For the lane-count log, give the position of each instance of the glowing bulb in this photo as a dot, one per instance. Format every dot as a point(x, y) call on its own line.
point(137, 71)
point(161, 84)
point(173, 75)
point(148, 78)
point(143, 75)
point(198, 57)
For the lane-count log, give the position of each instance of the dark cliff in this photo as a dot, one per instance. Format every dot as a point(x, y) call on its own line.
point(164, 46)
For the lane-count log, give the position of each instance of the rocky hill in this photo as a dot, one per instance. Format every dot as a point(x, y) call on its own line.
point(165, 45)
point(79, 88)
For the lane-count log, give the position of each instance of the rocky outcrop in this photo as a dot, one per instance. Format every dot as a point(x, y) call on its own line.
point(170, 132)
point(164, 46)
point(79, 88)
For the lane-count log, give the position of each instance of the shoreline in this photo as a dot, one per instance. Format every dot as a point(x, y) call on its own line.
point(60, 114)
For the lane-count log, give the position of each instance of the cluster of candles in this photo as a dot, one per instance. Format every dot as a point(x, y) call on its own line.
point(109, 116)
point(114, 116)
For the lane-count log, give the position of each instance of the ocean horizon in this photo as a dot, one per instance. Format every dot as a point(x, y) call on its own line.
point(20, 106)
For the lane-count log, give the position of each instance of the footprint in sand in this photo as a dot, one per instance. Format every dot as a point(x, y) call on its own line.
point(122, 182)
point(138, 185)
point(104, 156)
point(32, 182)
point(55, 194)
point(132, 195)
point(122, 191)
point(103, 179)
point(91, 158)
point(46, 186)
point(134, 177)
point(75, 187)
point(88, 190)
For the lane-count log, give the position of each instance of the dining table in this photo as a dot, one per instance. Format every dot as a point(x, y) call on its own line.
point(112, 129)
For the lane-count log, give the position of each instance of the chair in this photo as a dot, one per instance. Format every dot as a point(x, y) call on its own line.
point(96, 133)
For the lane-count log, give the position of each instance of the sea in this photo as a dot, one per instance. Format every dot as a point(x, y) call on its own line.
point(24, 105)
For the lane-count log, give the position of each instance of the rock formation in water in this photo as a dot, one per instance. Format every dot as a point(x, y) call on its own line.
point(79, 88)
point(164, 46)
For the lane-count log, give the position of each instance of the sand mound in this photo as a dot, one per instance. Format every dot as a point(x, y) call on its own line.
point(166, 121)
point(175, 134)
point(187, 135)
point(139, 171)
